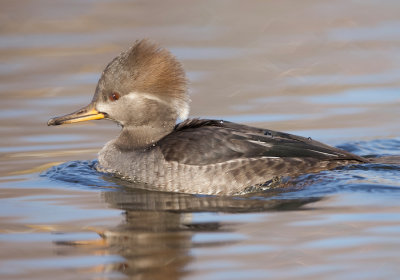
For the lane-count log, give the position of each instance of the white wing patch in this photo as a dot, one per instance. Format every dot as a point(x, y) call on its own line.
point(260, 143)
point(323, 153)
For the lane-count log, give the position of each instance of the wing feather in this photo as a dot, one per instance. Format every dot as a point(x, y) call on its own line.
point(201, 142)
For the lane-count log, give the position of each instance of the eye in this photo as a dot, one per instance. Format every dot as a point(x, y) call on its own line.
point(114, 96)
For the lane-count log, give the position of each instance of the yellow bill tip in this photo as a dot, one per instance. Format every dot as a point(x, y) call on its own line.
point(85, 114)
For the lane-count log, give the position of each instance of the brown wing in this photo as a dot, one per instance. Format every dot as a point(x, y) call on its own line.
point(201, 142)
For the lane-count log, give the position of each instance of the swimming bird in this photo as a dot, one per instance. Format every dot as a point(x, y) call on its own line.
point(144, 90)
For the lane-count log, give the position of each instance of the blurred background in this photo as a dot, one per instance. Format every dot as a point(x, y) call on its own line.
point(325, 69)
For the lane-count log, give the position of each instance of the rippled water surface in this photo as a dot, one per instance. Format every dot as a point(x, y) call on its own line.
point(322, 69)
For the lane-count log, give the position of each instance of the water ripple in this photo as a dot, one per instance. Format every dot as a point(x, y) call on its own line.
point(81, 174)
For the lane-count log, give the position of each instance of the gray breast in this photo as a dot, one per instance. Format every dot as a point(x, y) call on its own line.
point(226, 178)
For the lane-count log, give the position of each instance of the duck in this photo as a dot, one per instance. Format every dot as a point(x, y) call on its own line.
point(144, 90)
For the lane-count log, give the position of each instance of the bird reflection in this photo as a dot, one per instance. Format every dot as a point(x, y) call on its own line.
point(156, 237)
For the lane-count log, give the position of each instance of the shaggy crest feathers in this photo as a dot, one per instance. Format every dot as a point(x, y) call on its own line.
point(147, 68)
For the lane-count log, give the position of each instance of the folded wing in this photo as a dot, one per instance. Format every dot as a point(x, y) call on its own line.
point(201, 142)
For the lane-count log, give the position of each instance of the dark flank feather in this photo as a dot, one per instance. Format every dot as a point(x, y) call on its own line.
point(202, 142)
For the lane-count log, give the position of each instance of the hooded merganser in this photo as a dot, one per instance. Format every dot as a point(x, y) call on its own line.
point(144, 90)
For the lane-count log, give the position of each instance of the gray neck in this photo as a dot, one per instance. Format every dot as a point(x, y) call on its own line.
point(138, 137)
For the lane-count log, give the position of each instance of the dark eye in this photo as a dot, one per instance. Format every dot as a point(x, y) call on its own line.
point(114, 96)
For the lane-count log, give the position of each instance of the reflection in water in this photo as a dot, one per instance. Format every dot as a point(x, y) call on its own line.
point(158, 231)
point(156, 236)
point(154, 245)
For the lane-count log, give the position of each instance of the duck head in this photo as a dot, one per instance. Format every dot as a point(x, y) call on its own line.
point(142, 89)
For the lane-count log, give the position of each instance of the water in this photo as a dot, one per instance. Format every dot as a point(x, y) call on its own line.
point(324, 69)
